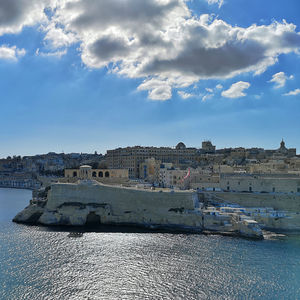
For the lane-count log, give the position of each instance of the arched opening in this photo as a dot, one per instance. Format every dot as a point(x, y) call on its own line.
point(74, 174)
point(100, 174)
point(94, 174)
point(92, 219)
point(106, 174)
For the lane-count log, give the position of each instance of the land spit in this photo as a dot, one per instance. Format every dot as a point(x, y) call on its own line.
point(88, 202)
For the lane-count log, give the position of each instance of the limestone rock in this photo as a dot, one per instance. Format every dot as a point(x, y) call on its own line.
point(30, 214)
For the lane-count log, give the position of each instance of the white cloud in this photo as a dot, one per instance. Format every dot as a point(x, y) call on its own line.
point(157, 89)
point(163, 41)
point(16, 14)
point(185, 95)
point(209, 90)
point(207, 97)
point(57, 37)
point(57, 54)
point(220, 2)
point(11, 53)
point(293, 93)
point(280, 79)
point(236, 90)
point(159, 41)
point(219, 86)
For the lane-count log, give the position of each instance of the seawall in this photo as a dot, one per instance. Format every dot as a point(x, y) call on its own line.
point(279, 201)
point(90, 202)
point(287, 206)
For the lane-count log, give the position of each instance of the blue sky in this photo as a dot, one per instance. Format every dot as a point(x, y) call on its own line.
point(95, 75)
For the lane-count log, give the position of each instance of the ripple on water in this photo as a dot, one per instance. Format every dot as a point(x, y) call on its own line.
point(37, 263)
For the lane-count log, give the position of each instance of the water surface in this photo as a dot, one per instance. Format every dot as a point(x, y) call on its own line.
point(42, 263)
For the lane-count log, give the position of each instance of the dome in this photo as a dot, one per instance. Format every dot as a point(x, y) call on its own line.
point(85, 167)
point(180, 145)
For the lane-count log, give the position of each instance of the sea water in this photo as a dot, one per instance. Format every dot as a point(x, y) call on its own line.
point(44, 263)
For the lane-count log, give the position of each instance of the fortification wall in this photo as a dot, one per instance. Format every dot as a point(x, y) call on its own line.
point(286, 202)
point(120, 199)
point(74, 204)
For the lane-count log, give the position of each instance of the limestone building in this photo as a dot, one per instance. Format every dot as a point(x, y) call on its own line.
point(208, 147)
point(131, 157)
point(86, 172)
point(260, 183)
point(149, 170)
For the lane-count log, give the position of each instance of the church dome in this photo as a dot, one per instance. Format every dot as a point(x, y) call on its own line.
point(85, 167)
point(180, 145)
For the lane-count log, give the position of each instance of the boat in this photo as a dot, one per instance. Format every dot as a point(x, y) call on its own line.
point(75, 234)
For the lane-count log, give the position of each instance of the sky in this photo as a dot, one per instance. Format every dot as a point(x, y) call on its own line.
point(93, 75)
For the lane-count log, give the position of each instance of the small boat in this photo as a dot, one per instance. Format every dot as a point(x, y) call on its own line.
point(75, 234)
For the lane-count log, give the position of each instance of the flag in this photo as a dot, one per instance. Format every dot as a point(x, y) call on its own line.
point(187, 175)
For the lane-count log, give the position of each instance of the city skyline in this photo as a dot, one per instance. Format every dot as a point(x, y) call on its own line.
point(198, 147)
point(77, 79)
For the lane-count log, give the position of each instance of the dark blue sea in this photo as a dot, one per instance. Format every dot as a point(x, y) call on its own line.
point(44, 263)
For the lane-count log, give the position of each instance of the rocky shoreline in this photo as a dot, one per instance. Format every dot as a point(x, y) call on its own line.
point(90, 203)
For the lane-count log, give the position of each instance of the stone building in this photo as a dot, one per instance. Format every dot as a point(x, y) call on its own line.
point(260, 183)
point(172, 178)
point(204, 181)
point(285, 151)
point(208, 147)
point(86, 172)
point(149, 170)
point(131, 157)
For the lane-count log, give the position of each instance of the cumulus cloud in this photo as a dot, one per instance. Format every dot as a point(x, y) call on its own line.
point(11, 53)
point(219, 86)
point(209, 90)
point(159, 41)
point(15, 14)
point(57, 37)
point(157, 89)
point(293, 93)
point(236, 90)
point(185, 95)
point(280, 79)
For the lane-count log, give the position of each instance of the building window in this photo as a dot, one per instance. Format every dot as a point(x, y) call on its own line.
point(94, 174)
point(298, 190)
point(250, 189)
point(228, 188)
point(100, 174)
point(74, 174)
point(273, 190)
point(106, 174)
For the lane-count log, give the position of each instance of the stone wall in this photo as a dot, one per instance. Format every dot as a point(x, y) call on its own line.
point(257, 183)
point(286, 202)
point(71, 204)
point(119, 198)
